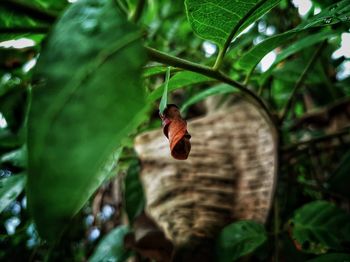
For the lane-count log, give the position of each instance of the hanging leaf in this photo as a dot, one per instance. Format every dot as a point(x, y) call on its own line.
point(239, 239)
point(164, 100)
point(214, 20)
point(111, 247)
point(10, 188)
point(335, 13)
point(87, 98)
point(175, 129)
point(320, 226)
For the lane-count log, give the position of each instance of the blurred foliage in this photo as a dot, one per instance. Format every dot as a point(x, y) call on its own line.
point(79, 108)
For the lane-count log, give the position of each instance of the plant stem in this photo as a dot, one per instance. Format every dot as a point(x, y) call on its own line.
point(233, 33)
point(30, 10)
point(138, 11)
point(207, 71)
point(300, 81)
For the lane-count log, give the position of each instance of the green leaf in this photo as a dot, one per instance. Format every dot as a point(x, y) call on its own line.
point(214, 20)
point(10, 188)
point(319, 226)
point(154, 70)
point(180, 80)
point(17, 157)
point(111, 247)
point(340, 180)
point(239, 239)
point(88, 98)
point(333, 14)
point(336, 257)
point(164, 101)
point(215, 90)
point(133, 191)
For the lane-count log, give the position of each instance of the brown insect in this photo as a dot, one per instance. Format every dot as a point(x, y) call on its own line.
point(175, 129)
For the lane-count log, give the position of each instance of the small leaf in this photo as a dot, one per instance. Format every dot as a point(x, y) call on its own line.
point(111, 247)
point(239, 239)
point(164, 100)
point(215, 90)
point(133, 191)
point(87, 99)
point(180, 80)
point(328, 16)
point(214, 20)
point(336, 257)
point(319, 226)
point(16, 157)
point(10, 188)
point(175, 129)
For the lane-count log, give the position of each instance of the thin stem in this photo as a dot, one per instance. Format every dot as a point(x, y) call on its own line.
point(204, 70)
point(30, 10)
point(300, 81)
point(138, 11)
point(233, 33)
point(19, 30)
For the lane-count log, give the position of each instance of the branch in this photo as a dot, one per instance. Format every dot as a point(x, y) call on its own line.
point(301, 81)
point(207, 71)
point(138, 11)
point(315, 140)
point(30, 10)
point(234, 31)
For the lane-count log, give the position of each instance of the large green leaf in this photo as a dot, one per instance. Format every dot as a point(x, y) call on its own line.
point(180, 80)
point(85, 101)
point(111, 247)
point(336, 257)
point(319, 226)
point(340, 180)
point(10, 188)
point(215, 90)
point(214, 20)
point(333, 14)
point(239, 239)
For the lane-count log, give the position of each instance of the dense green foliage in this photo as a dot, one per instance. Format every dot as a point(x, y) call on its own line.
point(96, 72)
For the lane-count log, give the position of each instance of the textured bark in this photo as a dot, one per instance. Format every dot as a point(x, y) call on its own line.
point(229, 175)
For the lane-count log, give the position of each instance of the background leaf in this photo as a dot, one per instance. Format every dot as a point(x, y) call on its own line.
point(180, 80)
point(215, 90)
point(239, 239)
point(331, 15)
point(85, 87)
point(319, 226)
point(336, 257)
point(10, 188)
point(214, 20)
point(340, 180)
point(111, 247)
point(133, 192)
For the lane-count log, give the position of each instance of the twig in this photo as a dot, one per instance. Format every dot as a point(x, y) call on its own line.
point(301, 81)
point(207, 71)
point(30, 10)
point(138, 11)
point(315, 140)
point(234, 31)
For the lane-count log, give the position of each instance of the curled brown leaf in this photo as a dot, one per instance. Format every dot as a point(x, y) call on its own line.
point(175, 129)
